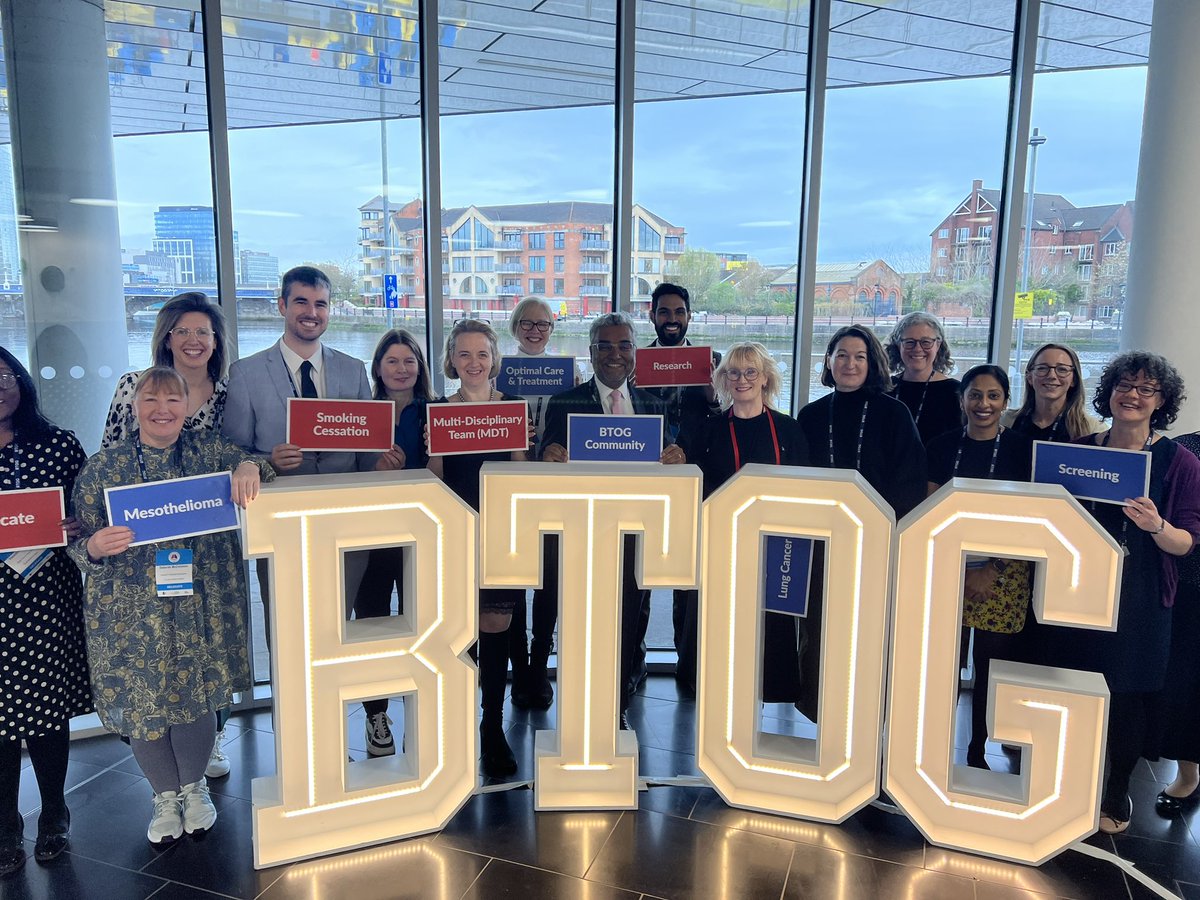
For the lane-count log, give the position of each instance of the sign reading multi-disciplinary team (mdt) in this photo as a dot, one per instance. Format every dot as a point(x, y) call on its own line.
point(599, 438)
point(1106, 474)
point(341, 425)
point(673, 366)
point(535, 376)
point(173, 508)
point(477, 427)
point(787, 562)
point(32, 518)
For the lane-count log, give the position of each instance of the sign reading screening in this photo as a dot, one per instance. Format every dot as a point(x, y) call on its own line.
point(173, 508)
point(1106, 474)
point(315, 804)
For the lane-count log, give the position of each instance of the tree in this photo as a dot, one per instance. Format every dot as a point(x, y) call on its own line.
point(752, 281)
point(699, 271)
point(343, 279)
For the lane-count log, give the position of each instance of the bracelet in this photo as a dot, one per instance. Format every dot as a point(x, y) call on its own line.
point(1162, 524)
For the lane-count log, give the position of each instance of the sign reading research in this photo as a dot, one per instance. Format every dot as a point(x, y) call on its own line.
point(598, 438)
point(663, 366)
point(173, 508)
point(1105, 474)
point(535, 376)
point(787, 562)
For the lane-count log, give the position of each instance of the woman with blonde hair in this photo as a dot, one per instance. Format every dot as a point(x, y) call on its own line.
point(1054, 408)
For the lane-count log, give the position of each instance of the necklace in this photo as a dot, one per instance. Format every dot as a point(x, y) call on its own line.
point(462, 398)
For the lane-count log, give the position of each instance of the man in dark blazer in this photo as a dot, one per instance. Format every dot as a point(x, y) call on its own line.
point(608, 392)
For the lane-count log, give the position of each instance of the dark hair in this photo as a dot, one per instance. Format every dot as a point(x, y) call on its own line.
point(1154, 367)
point(942, 362)
point(389, 340)
point(983, 369)
point(28, 418)
point(878, 378)
point(308, 275)
point(666, 289)
point(168, 317)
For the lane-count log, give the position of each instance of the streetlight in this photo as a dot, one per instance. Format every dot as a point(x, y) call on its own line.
point(1035, 140)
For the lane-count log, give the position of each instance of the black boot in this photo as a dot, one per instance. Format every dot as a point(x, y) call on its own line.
point(496, 756)
point(539, 693)
point(518, 654)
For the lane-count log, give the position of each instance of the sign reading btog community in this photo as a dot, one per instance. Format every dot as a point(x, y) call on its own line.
point(341, 425)
point(1106, 474)
point(677, 366)
point(535, 376)
point(477, 427)
point(599, 438)
point(32, 519)
point(173, 508)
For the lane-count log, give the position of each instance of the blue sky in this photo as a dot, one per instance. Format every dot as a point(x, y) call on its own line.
point(897, 159)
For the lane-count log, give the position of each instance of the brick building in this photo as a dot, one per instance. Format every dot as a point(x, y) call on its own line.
point(494, 255)
point(867, 287)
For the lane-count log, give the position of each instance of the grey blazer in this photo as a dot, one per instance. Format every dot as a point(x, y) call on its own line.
point(256, 405)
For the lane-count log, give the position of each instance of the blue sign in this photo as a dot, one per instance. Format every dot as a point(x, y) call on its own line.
point(1105, 474)
point(385, 71)
point(597, 438)
point(535, 376)
point(391, 291)
point(787, 563)
point(174, 508)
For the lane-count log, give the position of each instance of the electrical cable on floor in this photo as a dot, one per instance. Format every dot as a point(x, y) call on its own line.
point(1126, 866)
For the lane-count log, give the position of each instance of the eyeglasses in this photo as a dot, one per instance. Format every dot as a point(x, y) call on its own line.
point(529, 325)
point(8, 380)
point(1041, 370)
point(184, 333)
point(609, 346)
point(925, 343)
point(1143, 390)
point(737, 374)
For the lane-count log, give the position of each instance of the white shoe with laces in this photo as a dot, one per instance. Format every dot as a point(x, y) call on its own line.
point(218, 762)
point(166, 824)
point(199, 814)
point(379, 735)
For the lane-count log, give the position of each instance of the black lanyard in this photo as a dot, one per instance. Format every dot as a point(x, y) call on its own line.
point(176, 458)
point(862, 427)
point(962, 442)
point(737, 455)
point(1124, 518)
point(924, 391)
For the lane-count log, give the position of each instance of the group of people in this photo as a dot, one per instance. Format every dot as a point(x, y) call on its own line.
point(161, 671)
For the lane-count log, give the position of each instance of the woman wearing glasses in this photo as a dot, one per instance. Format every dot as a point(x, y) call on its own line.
point(1053, 408)
point(189, 337)
point(919, 358)
point(1142, 393)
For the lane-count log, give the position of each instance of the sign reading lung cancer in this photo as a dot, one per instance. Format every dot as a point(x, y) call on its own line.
point(31, 519)
point(340, 425)
point(174, 507)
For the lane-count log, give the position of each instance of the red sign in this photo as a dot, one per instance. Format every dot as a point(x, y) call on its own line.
point(353, 425)
point(478, 427)
point(673, 366)
point(31, 519)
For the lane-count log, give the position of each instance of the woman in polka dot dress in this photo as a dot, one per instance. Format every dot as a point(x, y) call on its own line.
point(43, 655)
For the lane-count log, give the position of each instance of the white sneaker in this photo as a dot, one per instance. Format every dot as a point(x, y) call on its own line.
point(166, 825)
point(379, 735)
point(199, 814)
point(218, 762)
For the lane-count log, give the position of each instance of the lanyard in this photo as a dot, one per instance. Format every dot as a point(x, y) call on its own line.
point(16, 462)
point(176, 457)
point(1124, 519)
point(737, 455)
point(862, 427)
point(995, 452)
point(924, 391)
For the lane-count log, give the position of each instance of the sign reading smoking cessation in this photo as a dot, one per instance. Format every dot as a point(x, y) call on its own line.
point(673, 366)
point(1106, 474)
point(598, 438)
point(32, 518)
point(535, 376)
point(341, 425)
point(787, 562)
point(477, 427)
point(173, 508)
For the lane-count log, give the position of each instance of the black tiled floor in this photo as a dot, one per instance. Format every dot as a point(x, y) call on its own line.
point(682, 841)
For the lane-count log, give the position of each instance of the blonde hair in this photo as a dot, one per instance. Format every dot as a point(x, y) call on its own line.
point(470, 326)
point(158, 376)
point(756, 356)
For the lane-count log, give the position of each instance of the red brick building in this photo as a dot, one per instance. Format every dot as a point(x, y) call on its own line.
point(867, 287)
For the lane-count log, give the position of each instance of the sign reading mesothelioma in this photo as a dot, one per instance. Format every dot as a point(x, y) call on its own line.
point(1105, 474)
point(173, 508)
point(477, 427)
point(535, 376)
point(673, 366)
point(341, 425)
point(597, 438)
point(32, 519)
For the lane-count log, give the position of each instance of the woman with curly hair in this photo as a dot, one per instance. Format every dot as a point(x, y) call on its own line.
point(919, 359)
point(1054, 408)
point(1142, 393)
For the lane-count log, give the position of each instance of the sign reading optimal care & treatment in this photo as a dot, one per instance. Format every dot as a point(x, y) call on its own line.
point(535, 376)
point(173, 508)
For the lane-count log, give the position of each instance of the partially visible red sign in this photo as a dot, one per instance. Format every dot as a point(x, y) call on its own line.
point(353, 425)
point(478, 427)
point(673, 366)
point(32, 518)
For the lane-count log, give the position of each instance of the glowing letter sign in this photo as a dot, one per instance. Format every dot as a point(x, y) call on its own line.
point(777, 773)
point(316, 803)
point(587, 763)
point(1058, 715)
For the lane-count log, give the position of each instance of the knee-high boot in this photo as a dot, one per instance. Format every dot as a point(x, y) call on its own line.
point(496, 756)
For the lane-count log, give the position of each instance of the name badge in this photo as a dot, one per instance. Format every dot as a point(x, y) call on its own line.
point(787, 564)
point(535, 376)
point(173, 572)
point(598, 438)
point(1104, 474)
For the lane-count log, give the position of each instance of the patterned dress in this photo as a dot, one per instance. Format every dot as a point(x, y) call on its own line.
point(122, 421)
point(43, 659)
point(162, 661)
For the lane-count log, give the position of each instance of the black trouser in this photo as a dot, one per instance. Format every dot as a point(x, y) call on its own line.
point(685, 610)
point(545, 608)
point(48, 754)
point(635, 603)
point(373, 599)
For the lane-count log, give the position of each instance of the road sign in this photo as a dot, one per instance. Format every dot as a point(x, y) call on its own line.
point(391, 291)
point(1023, 308)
